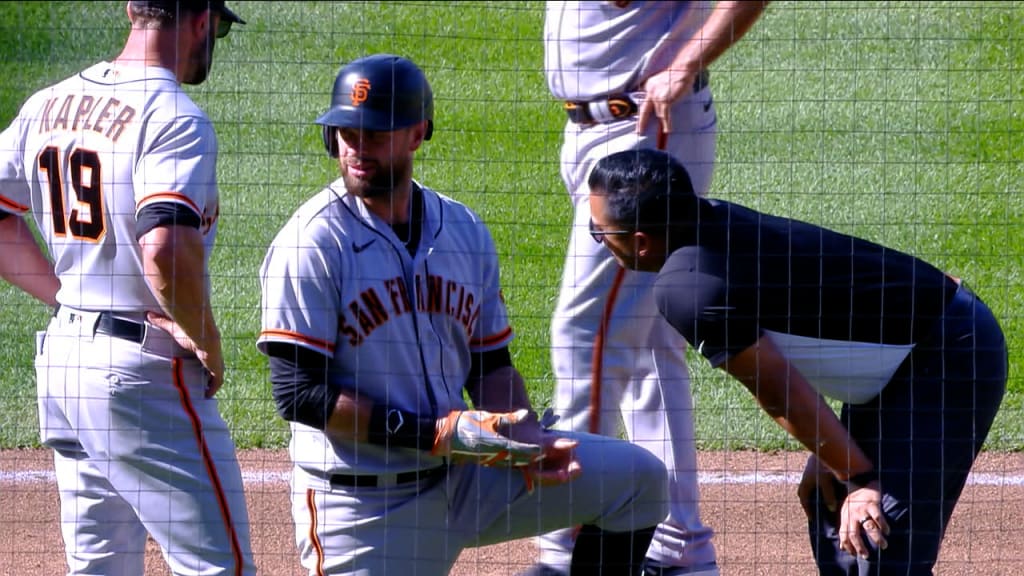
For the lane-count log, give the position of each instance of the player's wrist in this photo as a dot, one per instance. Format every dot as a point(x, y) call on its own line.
point(396, 428)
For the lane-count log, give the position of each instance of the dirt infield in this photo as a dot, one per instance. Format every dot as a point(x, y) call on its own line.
point(759, 525)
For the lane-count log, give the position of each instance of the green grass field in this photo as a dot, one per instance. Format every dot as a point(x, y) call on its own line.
point(899, 122)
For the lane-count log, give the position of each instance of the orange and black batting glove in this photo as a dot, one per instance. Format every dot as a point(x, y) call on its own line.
point(483, 436)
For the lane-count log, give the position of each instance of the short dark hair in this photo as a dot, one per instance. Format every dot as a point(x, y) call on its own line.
point(153, 16)
point(644, 189)
point(165, 12)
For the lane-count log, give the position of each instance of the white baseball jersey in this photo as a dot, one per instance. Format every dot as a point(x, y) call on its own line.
point(87, 157)
point(399, 329)
point(597, 48)
point(87, 154)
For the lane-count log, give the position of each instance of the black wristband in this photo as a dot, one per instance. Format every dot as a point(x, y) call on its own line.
point(394, 428)
point(861, 480)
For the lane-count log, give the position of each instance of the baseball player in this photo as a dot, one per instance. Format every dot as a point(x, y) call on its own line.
point(381, 311)
point(796, 312)
point(118, 168)
point(632, 75)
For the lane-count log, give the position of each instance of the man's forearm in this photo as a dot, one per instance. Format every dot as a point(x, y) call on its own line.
point(174, 265)
point(350, 419)
point(22, 262)
point(815, 425)
point(356, 418)
point(792, 402)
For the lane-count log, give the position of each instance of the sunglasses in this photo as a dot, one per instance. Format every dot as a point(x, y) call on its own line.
point(223, 27)
point(598, 235)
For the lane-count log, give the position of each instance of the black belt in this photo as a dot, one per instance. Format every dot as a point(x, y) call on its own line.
point(120, 328)
point(617, 106)
point(108, 325)
point(372, 481)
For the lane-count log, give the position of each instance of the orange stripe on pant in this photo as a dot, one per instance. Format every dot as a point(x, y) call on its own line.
point(211, 470)
point(313, 538)
point(597, 362)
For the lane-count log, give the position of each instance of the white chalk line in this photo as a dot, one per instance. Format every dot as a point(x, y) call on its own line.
point(742, 478)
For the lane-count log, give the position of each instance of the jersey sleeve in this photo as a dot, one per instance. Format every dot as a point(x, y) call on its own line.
point(299, 302)
point(694, 295)
point(15, 195)
point(179, 166)
point(491, 330)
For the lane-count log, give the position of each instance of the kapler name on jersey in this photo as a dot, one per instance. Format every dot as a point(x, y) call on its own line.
point(79, 112)
point(434, 295)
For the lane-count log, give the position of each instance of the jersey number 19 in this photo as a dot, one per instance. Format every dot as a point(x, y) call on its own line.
point(85, 220)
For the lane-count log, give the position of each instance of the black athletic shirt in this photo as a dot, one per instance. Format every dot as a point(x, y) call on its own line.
point(845, 311)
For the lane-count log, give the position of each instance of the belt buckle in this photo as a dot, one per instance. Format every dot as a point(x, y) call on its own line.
point(621, 107)
point(611, 108)
point(602, 111)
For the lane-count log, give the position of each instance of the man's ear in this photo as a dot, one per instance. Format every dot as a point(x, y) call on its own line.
point(419, 134)
point(199, 24)
point(647, 244)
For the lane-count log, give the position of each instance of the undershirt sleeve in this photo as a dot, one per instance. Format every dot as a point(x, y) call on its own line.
point(164, 214)
point(301, 385)
point(486, 362)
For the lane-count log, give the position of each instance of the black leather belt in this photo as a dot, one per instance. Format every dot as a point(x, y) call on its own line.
point(120, 328)
point(372, 481)
point(617, 106)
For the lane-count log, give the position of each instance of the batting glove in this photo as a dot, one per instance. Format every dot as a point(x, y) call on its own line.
point(482, 436)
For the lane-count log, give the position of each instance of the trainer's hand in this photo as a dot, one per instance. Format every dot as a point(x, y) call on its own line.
point(817, 478)
point(491, 438)
point(862, 511)
point(210, 355)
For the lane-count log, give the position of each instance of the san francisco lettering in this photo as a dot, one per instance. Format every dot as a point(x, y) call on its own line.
point(434, 295)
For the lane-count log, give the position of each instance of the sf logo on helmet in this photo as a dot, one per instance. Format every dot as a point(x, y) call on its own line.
point(360, 91)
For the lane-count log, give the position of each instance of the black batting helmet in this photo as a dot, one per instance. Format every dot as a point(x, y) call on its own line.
point(380, 92)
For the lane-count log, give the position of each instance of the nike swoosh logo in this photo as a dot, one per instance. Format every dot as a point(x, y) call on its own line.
point(707, 105)
point(357, 248)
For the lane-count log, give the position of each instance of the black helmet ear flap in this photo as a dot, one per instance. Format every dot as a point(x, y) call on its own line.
point(330, 142)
